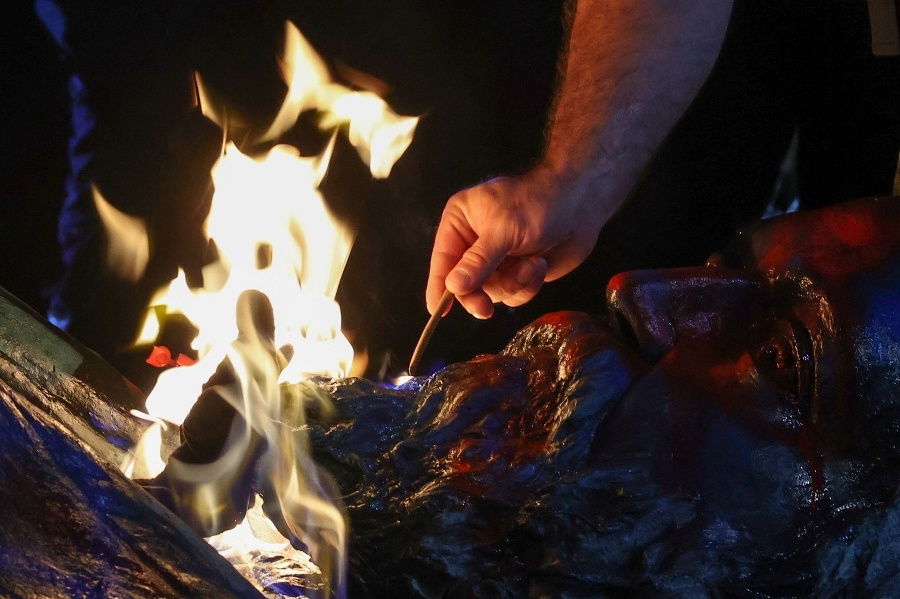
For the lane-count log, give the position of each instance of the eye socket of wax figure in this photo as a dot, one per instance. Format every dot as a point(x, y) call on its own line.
point(793, 337)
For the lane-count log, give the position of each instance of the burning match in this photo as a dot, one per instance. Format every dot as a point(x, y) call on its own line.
point(428, 331)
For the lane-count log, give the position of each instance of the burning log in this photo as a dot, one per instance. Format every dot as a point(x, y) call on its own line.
point(240, 446)
point(72, 524)
point(227, 493)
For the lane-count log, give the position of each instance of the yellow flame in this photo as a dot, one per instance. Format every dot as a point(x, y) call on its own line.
point(147, 460)
point(273, 233)
point(306, 75)
point(380, 135)
point(128, 246)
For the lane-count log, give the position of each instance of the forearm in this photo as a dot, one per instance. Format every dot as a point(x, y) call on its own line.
point(631, 69)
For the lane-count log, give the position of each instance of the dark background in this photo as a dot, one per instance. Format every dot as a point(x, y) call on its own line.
point(34, 105)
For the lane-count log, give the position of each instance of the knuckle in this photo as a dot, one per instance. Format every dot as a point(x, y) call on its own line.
point(477, 257)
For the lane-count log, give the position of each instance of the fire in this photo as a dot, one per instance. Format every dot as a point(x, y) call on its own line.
point(129, 254)
point(275, 238)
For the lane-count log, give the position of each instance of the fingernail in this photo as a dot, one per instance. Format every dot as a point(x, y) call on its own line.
point(525, 272)
point(483, 315)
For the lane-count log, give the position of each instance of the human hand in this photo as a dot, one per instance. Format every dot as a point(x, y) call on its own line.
point(499, 241)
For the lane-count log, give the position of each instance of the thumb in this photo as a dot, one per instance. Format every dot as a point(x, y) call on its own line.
point(477, 264)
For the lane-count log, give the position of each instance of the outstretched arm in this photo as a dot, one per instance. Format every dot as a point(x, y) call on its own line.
point(630, 70)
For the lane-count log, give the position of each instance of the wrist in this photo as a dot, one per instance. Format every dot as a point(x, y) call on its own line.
point(588, 199)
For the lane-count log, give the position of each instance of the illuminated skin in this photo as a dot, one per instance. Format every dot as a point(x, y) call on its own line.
point(631, 69)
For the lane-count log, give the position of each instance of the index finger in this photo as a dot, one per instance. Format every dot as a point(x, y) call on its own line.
point(453, 238)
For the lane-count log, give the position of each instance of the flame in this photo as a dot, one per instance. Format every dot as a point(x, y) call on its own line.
point(128, 247)
point(276, 239)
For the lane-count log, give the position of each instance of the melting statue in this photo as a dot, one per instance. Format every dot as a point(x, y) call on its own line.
point(725, 430)
point(730, 429)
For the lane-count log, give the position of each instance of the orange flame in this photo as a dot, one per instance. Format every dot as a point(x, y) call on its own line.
point(271, 208)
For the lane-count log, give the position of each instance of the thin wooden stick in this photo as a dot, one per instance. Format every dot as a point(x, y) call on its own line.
point(445, 302)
